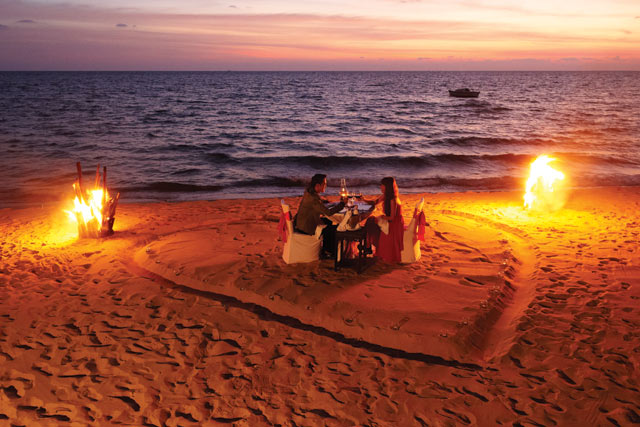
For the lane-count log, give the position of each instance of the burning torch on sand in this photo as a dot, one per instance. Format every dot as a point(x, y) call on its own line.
point(94, 210)
point(544, 191)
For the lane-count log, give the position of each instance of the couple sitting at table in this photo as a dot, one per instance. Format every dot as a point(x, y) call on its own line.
point(384, 232)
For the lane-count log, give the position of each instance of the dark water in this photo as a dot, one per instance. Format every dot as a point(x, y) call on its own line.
point(189, 135)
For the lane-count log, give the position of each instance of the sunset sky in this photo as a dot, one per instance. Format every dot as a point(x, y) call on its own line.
point(319, 35)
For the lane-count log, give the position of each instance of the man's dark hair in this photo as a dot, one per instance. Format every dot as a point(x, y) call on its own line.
point(316, 179)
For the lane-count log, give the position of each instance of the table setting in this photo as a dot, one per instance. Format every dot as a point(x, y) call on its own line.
point(350, 222)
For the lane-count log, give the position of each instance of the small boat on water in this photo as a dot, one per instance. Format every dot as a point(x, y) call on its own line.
point(464, 93)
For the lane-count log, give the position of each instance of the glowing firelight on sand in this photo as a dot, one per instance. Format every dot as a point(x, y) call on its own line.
point(541, 191)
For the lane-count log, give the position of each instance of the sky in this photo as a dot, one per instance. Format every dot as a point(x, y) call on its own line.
point(320, 35)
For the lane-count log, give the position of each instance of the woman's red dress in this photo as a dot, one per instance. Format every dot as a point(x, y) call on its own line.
point(389, 248)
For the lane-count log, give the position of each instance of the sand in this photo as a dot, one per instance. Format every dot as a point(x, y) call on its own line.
point(188, 316)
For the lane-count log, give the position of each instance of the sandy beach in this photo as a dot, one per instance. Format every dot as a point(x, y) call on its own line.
point(187, 316)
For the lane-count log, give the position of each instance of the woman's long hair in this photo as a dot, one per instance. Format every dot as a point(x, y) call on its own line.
point(315, 179)
point(390, 193)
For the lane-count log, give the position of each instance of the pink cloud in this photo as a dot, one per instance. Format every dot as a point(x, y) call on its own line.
point(82, 37)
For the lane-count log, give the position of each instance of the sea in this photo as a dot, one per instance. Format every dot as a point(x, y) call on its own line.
point(177, 136)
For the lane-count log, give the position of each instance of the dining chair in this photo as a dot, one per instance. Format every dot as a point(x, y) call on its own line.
point(411, 239)
point(298, 247)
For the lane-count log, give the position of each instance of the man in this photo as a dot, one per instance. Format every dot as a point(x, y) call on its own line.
point(312, 210)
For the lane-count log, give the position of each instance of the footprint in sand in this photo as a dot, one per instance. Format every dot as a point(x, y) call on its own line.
point(353, 319)
point(396, 326)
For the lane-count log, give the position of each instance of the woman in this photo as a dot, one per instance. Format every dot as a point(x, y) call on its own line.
point(388, 241)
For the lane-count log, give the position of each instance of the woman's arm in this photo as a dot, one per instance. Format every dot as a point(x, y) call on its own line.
point(374, 202)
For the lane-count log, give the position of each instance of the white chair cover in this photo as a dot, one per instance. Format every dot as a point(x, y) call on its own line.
point(411, 251)
point(300, 247)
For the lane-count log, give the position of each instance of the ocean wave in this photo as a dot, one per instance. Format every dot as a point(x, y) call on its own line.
point(308, 132)
point(601, 159)
point(415, 161)
point(169, 187)
point(67, 133)
point(190, 171)
point(179, 187)
point(449, 183)
point(371, 184)
point(608, 180)
point(431, 184)
point(480, 107)
point(232, 135)
point(479, 142)
point(402, 130)
point(180, 148)
point(217, 157)
point(334, 161)
point(413, 102)
point(274, 181)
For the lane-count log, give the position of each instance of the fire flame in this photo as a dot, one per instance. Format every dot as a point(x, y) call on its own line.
point(89, 210)
point(93, 211)
point(542, 182)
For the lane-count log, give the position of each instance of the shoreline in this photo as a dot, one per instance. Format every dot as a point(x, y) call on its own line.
point(328, 194)
point(507, 317)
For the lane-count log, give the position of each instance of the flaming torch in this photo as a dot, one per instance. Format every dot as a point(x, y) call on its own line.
point(93, 211)
point(542, 185)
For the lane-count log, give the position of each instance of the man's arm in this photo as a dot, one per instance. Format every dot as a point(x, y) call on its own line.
point(322, 209)
point(335, 209)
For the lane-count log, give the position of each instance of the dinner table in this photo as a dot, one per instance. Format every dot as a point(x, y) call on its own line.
point(350, 233)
